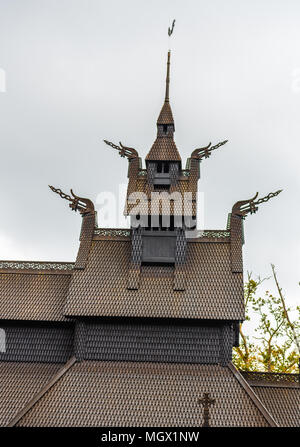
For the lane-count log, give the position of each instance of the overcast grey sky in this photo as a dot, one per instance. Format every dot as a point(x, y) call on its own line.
point(78, 71)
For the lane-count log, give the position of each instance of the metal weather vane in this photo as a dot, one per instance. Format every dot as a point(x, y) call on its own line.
point(244, 207)
point(81, 204)
point(170, 30)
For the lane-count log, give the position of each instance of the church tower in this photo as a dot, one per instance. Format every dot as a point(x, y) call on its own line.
point(162, 199)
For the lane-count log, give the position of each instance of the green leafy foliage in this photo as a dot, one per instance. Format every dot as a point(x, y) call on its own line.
point(273, 348)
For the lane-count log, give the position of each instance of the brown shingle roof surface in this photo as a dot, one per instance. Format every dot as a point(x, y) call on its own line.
point(181, 206)
point(162, 206)
point(19, 382)
point(166, 115)
point(36, 296)
point(282, 402)
point(212, 291)
point(164, 148)
point(143, 394)
point(280, 393)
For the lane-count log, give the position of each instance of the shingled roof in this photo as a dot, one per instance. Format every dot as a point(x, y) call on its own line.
point(143, 394)
point(33, 291)
point(213, 291)
point(166, 115)
point(164, 148)
point(19, 383)
point(280, 393)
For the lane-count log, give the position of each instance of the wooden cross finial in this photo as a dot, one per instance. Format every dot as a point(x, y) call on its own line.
point(206, 401)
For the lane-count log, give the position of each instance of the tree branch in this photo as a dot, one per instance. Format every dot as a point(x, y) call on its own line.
point(285, 309)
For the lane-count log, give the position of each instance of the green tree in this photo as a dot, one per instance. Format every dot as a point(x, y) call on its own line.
point(275, 345)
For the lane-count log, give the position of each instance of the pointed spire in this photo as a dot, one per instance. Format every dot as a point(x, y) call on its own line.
point(168, 77)
point(164, 147)
point(166, 116)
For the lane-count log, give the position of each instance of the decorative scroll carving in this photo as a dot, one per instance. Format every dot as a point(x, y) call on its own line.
point(87, 210)
point(124, 151)
point(135, 166)
point(193, 165)
point(220, 234)
point(205, 152)
point(112, 232)
point(239, 211)
point(81, 204)
point(29, 265)
point(243, 207)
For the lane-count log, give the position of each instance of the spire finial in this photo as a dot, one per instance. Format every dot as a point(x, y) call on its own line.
point(170, 32)
point(168, 78)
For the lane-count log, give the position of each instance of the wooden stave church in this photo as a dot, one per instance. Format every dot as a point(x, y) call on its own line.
point(142, 325)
